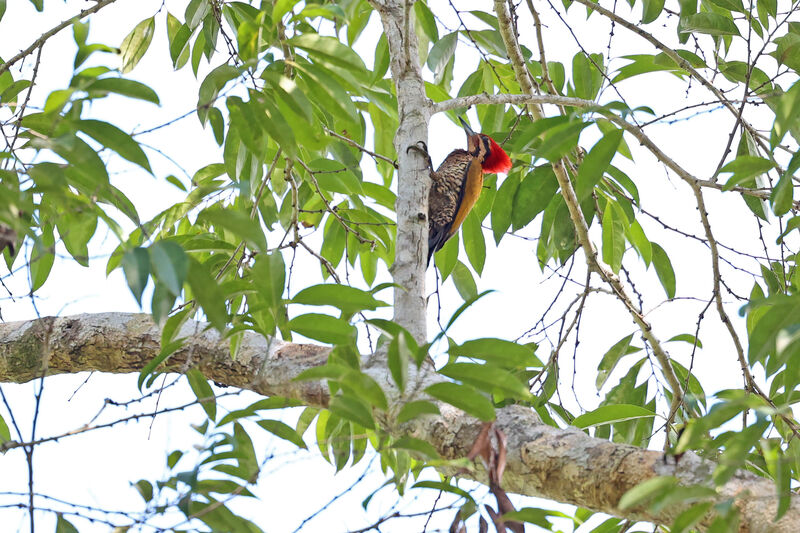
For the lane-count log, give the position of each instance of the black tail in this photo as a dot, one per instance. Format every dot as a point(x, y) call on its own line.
point(436, 239)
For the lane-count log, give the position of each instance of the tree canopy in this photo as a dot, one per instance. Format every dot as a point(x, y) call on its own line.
point(615, 325)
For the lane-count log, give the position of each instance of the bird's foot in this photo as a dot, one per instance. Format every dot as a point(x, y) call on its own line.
point(422, 148)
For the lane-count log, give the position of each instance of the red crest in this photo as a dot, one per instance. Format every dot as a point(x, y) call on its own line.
point(498, 161)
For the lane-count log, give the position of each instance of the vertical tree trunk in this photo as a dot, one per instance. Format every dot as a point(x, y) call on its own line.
point(414, 112)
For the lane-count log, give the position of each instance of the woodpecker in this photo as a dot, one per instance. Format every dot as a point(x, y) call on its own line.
point(457, 183)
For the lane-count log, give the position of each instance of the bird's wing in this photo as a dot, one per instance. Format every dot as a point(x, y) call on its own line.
point(456, 186)
point(470, 191)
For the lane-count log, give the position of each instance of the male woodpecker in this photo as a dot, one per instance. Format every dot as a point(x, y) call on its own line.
point(457, 183)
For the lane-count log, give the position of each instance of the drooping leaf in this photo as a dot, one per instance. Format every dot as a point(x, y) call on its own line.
point(283, 431)
point(114, 138)
point(136, 265)
point(709, 23)
point(608, 414)
point(465, 398)
point(412, 410)
point(613, 237)
point(664, 270)
point(203, 392)
point(137, 42)
point(352, 409)
point(348, 299)
point(611, 358)
point(323, 328)
point(169, 264)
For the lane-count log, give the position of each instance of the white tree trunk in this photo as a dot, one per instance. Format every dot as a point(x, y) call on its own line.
point(414, 111)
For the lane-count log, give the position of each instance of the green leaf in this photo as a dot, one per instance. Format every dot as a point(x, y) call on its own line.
point(666, 275)
point(129, 88)
point(353, 410)
point(63, 525)
point(398, 357)
point(136, 265)
point(162, 302)
point(327, 371)
point(652, 9)
point(486, 377)
point(426, 21)
point(330, 50)
point(323, 328)
point(364, 388)
point(9, 94)
point(283, 431)
point(442, 486)
point(474, 243)
point(745, 167)
point(421, 447)
point(687, 337)
point(465, 398)
point(709, 23)
point(640, 242)
point(787, 111)
point(643, 492)
point(282, 7)
point(115, 139)
point(136, 43)
point(178, 35)
point(532, 196)
point(502, 207)
point(441, 53)
point(211, 86)
point(608, 414)
point(691, 516)
point(595, 164)
point(170, 264)
point(613, 237)
point(5, 433)
point(446, 259)
point(412, 410)
point(208, 294)
point(349, 299)
point(203, 392)
point(781, 314)
point(586, 77)
point(730, 5)
point(42, 257)
point(610, 360)
point(238, 223)
point(465, 284)
point(498, 352)
point(782, 195)
point(381, 62)
point(560, 140)
point(269, 277)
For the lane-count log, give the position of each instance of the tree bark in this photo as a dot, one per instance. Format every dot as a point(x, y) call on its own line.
point(414, 111)
point(564, 465)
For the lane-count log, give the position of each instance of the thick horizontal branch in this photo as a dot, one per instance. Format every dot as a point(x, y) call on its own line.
point(564, 465)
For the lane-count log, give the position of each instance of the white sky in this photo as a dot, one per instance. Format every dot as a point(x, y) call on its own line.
point(95, 469)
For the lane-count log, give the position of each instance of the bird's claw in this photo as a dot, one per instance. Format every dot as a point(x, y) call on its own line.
point(416, 147)
point(422, 148)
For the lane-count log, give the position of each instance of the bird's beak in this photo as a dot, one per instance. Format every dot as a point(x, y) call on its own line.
point(466, 127)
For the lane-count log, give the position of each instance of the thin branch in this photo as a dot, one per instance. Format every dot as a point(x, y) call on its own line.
point(332, 211)
point(46, 35)
point(351, 142)
point(582, 231)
